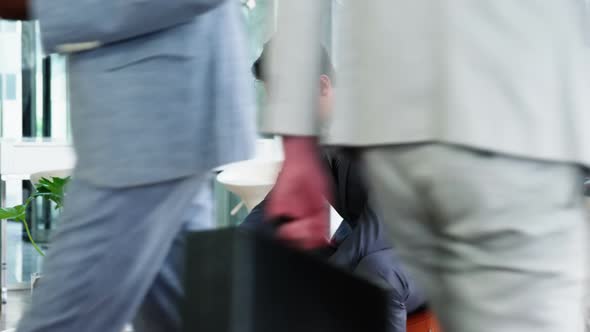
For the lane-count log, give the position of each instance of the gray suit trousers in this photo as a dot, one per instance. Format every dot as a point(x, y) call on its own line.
point(119, 252)
point(499, 243)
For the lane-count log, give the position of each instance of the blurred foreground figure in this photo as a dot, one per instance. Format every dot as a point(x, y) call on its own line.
point(360, 244)
point(159, 96)
point(470, 116)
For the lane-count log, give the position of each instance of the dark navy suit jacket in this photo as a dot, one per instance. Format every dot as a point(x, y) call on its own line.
point(360, 243)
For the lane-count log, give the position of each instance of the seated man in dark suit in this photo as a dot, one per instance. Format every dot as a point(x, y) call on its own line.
point(359, 244)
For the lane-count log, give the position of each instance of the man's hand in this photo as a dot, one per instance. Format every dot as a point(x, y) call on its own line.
point(14, 9)
point(301, 195)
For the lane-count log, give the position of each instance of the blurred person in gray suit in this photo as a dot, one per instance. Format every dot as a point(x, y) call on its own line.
point(160, 95)
point(471, 117)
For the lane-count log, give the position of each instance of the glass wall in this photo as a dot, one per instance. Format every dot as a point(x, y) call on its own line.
point(33, 105)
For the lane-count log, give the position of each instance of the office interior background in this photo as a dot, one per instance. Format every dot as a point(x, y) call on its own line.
point(34, 109)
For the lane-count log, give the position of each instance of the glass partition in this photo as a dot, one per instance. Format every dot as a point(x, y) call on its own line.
point(33, 104)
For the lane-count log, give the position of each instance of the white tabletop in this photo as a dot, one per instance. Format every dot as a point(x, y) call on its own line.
point(19, 158)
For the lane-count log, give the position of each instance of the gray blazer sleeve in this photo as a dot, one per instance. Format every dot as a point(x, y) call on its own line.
point(294, 71)
point(108, 21)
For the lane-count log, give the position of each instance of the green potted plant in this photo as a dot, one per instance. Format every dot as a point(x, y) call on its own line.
point(52, 190)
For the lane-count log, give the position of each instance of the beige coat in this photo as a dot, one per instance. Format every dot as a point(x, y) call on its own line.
point(509, 76)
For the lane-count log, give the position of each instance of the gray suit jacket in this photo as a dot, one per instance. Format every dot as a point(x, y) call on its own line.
point(501, 75)
point(158, 89)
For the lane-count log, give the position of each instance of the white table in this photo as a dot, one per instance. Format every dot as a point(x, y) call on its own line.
point(19, 158)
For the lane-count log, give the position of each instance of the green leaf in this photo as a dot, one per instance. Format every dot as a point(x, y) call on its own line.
point(52, 190)
point(14, 213)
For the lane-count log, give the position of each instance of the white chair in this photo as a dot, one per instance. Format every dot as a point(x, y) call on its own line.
point(251, 180)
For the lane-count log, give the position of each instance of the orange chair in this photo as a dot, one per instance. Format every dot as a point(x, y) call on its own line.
point(423, 321)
